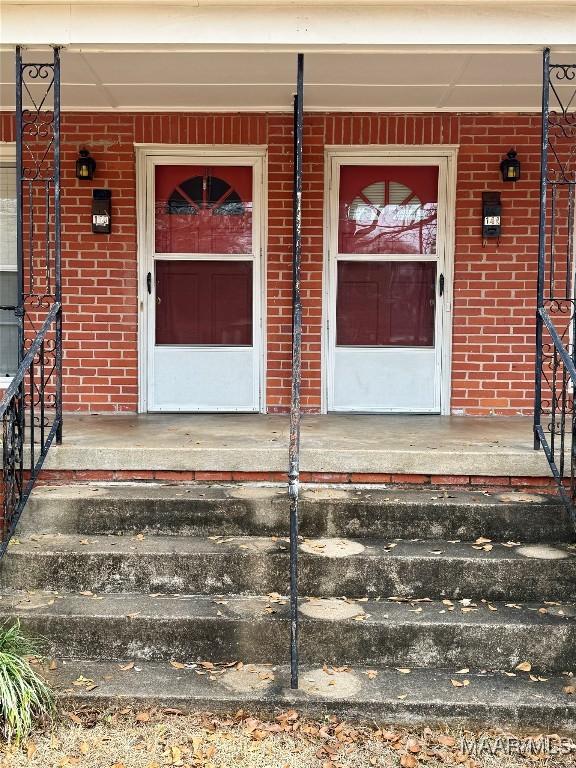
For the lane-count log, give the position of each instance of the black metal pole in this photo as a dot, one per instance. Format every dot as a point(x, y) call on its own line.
point(294, 448)
point(541, 246)
point(19, 311)
point(57, 244)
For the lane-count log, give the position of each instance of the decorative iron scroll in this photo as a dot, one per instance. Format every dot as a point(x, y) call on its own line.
point(554, 417)
point(31, 409)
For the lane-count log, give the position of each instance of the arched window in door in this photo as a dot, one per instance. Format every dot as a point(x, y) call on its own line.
point(203, 210)
point(388, 210)
point(205, 193)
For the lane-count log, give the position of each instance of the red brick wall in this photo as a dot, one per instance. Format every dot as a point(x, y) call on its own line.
point(494, 285)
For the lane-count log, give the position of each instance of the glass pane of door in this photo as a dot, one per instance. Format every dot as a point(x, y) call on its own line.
point(8, 324)
point(8, 276)
point(204, 302)
point(386, 303)
point(202, 209)
point(388, 209)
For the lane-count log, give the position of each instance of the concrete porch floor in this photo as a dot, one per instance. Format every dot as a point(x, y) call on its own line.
point(431, 445)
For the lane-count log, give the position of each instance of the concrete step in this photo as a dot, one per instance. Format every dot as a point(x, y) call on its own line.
point(260, 510)
point(256, 630)
point(423, 697)
point(258, 565)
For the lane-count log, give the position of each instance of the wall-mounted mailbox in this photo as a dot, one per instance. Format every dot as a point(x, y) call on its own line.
point(101, 211)
point(491, 215)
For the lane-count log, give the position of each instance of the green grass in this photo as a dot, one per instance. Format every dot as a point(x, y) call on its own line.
point(25, 698)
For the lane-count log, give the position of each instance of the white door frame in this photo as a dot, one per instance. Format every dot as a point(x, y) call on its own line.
point(147, 157)
point(445, 157)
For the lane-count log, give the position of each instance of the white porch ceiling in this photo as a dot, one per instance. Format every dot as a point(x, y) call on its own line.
point(470, 80)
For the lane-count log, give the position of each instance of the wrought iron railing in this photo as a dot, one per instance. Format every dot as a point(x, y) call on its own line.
point(295, 410)
point(27, 429)
point(554, 416)
point(31, 408)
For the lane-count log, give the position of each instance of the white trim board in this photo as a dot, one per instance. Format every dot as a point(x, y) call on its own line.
point(445, 157)
point(402, 23)
point(147, 156)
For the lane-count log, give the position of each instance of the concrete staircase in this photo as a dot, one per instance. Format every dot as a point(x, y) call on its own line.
point(135, 585)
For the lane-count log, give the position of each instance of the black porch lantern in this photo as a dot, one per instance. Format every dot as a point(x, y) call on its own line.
point(85, 166)
point(510, 167)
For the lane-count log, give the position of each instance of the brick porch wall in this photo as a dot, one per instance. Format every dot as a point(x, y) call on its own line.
point(492, 370)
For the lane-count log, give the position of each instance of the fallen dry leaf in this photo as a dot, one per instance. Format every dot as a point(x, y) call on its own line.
point(524, 666)
point(413, 746)
point(389, 736)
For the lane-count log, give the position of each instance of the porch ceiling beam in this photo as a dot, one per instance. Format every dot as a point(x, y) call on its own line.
point(341, 50)
point(295, 3)
point(374, 24)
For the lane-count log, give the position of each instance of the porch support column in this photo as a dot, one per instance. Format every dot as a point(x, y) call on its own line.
point(57, 246)
point(541, 247)
point(294, 448)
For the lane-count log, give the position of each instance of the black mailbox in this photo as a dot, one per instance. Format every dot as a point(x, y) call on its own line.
point(101, 211)
point(491, 215)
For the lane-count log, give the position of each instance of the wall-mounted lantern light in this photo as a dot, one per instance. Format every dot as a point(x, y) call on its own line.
point(510, 167)
point(85, 166)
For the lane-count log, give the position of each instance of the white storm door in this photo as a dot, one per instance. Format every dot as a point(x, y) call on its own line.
point(387, 283)
point(204, 288)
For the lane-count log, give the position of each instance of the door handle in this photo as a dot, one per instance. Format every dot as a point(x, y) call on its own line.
point(441, 285)
point(149, 282)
